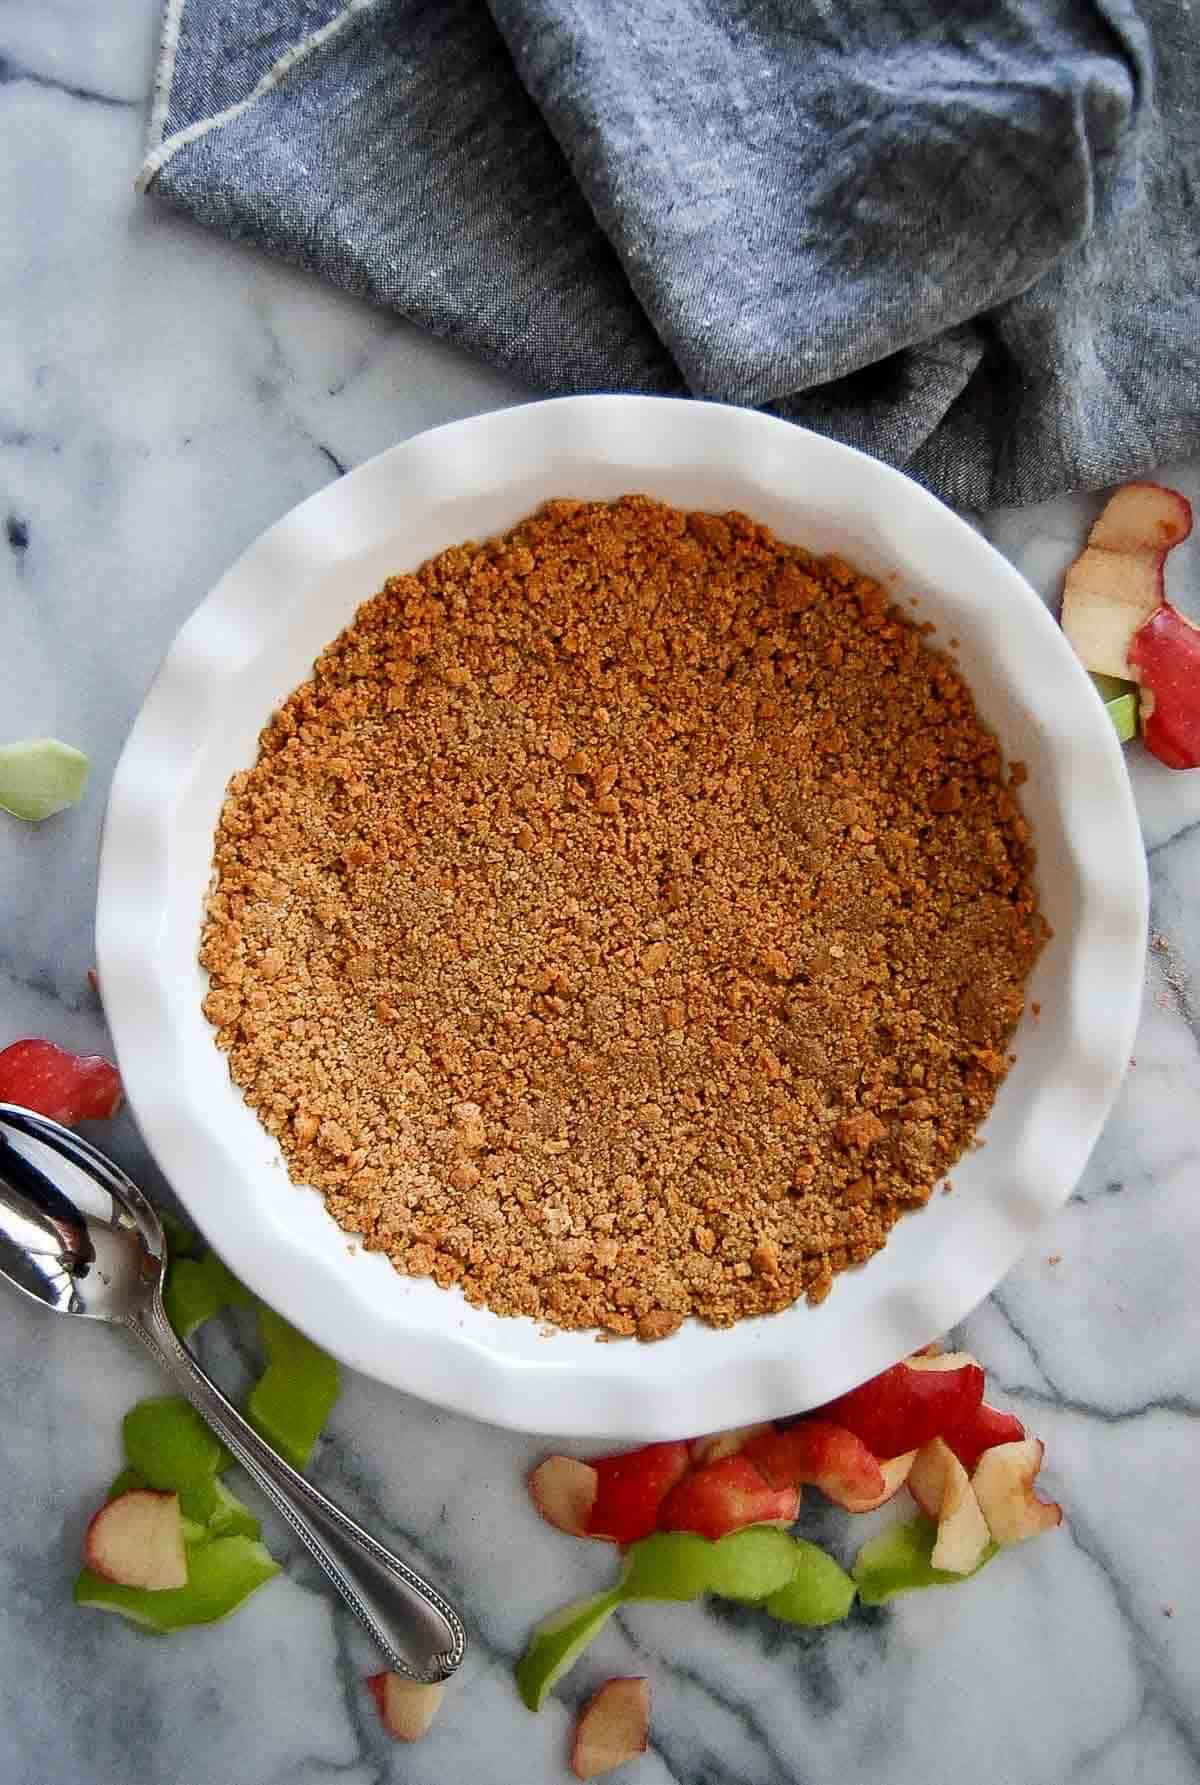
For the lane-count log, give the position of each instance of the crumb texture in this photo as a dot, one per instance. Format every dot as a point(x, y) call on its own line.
point(626, 922)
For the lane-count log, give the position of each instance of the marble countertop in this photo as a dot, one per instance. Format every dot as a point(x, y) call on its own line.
point(164, 396)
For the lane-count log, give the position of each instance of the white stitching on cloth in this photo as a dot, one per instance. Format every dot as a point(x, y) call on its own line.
point(165, 74)
point(161, 153)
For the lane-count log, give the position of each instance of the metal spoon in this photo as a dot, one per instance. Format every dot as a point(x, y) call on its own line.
point(78, 1236)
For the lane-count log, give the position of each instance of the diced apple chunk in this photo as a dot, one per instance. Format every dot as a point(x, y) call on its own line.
point(613, 1727)
point(818, 1453)
point(406, 1707)
point(1165, 657)
point(902, 1408)
point(1003, 1483)
point(940, 1485)
point(564, 1492)
point(557, 1643)
point(1116, 583)
point(669, 1565)
point(67, 1087)
point(819, 1592)
point(630, 1488)
point(899, 1560)
point(222, 1572)
point(40, 776)
point(1101, 627)
point(136, 1540)
point(724, 1496)
point(1142, 517)
point(895, 1472)
point(1106, 597)
point(986, 1427)
point(1120, 697)
point(751, 1564)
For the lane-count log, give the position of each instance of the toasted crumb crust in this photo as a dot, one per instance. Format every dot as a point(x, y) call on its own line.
point(626, 922)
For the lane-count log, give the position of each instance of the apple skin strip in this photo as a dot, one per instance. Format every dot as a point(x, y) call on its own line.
point(41, 776)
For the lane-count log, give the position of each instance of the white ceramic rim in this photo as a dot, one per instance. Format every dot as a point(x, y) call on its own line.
point(497, 467)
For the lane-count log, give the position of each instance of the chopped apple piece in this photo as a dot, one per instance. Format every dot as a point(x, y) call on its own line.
point(296, 1392)
point(136, 1540)
point(221, 1574)
point(819, 1592)
point(751, 1564)
point(962, 1531)
point(173, 1450)
point(725, 1444)
point(1106, 597)
point(986, 1427)
point(564, 1492)
point(799, 1582)
point(630, 1488)
point(668, 1565)
point(67, 1087)
point(895, 1471)
point(197, 1289)
point(815, 1452)
point(1116, 583)
point(41, 776)
point(1120, 703)
point(230, 1517)
point(406, 1707)
point(900, 1560)
point(1165, 657)
point(904, 1407)
point(1142, 517)
point(613, 1727)
point(1003, 1484)
point(557, 1643)
point(724, 1496)
point(942, 1489)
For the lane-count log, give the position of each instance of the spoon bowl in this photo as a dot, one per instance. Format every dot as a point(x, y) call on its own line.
point(75, 1232)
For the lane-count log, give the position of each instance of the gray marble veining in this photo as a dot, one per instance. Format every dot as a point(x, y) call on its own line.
point(163, 397)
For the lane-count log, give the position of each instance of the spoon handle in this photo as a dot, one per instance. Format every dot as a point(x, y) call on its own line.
point(402, 1613)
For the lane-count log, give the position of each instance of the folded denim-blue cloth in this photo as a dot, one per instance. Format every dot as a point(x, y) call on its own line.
point(961, 234)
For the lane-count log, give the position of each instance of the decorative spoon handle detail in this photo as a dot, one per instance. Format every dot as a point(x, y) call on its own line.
point(402, 1613)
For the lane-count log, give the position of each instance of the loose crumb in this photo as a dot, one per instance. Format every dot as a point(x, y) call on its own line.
point(626, 922)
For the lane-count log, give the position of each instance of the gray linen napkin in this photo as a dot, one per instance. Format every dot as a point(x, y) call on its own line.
point(961, 234)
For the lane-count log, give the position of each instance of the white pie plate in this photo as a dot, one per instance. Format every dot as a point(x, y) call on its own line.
point(254, 639)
